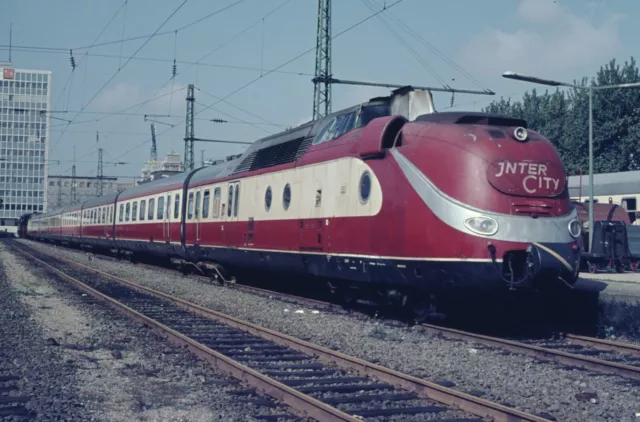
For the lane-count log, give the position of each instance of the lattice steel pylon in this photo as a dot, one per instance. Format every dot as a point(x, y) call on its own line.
point(73, 178)
point(99, 185)
point(189, 133)
point(322, 79)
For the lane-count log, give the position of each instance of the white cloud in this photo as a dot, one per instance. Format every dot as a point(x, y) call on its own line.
point(117, 97)
point(551, 38)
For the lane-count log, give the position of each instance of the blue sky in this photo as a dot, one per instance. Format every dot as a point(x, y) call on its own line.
point(555, 39)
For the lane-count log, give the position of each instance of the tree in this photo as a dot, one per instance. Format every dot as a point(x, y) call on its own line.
point(563, 118)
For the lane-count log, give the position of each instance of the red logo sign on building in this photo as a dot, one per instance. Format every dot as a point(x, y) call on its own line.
point(8, 73)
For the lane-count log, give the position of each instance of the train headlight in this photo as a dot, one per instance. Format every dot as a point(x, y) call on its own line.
point(575, 228)
point(482, 225)
point(520, 134)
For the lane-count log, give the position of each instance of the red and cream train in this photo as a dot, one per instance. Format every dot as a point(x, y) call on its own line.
point(389, 197)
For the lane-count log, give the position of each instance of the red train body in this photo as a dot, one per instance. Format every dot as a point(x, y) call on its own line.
point(388, 195)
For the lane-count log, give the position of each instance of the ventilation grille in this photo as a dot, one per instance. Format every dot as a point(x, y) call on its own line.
point(274, 155)
point(531, 208)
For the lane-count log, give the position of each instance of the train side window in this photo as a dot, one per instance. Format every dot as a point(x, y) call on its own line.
point(121, 216)
point(143, 209)
point(134, 211)
point(160, 213)
point(286, 197)
point(629, 204)
point(176, 207)
point(216, 202)
point(168, 210)
point(235, 205)
point(197, 204)
point(152, 204)
point(205, 204)
point(190, 206)
point(127, 212)
point(103, 218)
point(230, 200)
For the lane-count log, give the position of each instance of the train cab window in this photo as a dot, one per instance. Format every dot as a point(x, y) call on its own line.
point(336, 127)
point(160, 213)
point(176, 207)
point(152, 204)
point(216, 202)
point(235, 204)
point(205, 204)
point(197, 210)
point(230, 201)
point(121, 216)
point(143, 209)
point(134, 211)
point(371, 112)
point(127, 212)
point(190, 206)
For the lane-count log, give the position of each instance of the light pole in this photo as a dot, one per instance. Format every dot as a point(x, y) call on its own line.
point(533, 79)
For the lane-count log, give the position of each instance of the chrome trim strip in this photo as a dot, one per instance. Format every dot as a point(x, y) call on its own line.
point(512, 228)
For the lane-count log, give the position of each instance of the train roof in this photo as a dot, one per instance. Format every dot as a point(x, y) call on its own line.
point(175, 181)
point(619, 183)
point(100, 200)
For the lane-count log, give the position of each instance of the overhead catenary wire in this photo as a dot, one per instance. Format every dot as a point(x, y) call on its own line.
point(430, 46)
point(353, 26)
point(406, 45)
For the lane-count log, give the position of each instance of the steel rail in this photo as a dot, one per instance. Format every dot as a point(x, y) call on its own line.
point(607, 345)
point(558, 356)
point(303, 404)
point(422, 388)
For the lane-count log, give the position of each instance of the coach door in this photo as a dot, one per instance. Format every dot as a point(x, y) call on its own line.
point(166, 219)
point(232, 232)
point(197, 214)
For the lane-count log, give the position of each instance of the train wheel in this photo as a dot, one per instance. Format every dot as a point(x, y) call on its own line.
point(420, 308)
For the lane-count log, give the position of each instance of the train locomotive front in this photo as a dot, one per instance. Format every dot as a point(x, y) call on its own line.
point(488, 206)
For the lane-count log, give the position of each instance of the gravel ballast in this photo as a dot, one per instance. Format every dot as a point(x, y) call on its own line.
point(568, 394)
point(80, 360)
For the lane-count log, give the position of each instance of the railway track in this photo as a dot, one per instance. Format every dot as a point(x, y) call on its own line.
point(10, 403)
point(616, 358)
point(314, 381)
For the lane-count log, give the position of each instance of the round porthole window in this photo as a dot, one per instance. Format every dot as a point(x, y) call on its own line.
point(267, 198)
point(365, 186)
point(286, 197)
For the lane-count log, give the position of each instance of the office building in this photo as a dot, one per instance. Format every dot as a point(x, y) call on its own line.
point(59, 188)
point(25, 98)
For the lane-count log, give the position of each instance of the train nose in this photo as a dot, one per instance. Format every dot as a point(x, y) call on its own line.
point(555, 262)
point(540, 265)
